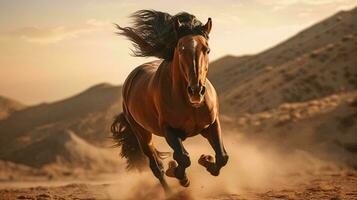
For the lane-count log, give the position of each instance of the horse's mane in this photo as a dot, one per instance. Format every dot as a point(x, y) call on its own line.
point(153, 32)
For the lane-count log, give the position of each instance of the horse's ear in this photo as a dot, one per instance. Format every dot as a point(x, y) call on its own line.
point(208, 26)
point(177, 25)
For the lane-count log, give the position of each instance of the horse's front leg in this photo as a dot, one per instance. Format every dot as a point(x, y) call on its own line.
point(213, 135)
point(180, 155)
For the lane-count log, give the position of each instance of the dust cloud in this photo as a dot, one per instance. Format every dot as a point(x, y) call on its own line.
point(253, 165)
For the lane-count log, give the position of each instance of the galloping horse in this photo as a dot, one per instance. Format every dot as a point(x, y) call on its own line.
point(171, 98)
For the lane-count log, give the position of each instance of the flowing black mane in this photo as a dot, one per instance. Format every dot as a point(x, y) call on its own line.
point(153, 32)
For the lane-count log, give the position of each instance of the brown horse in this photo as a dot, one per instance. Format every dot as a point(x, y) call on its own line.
point(171, 98)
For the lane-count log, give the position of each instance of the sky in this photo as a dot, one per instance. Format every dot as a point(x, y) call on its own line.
point(53, 49)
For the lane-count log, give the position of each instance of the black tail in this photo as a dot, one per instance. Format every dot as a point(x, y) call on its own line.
point(126, 139)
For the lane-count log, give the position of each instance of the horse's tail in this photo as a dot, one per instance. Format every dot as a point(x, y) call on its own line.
point(125, 138)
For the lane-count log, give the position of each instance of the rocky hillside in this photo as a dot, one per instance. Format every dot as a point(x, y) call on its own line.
point(315, 63)
point(69, 149)
point(300, 94)
point(8, 106)
point(60, 131)
point(325, 126)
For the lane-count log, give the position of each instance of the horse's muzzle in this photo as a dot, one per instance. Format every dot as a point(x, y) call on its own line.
point(196, 94)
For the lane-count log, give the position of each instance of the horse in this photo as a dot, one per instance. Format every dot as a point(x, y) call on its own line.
point(170, 97)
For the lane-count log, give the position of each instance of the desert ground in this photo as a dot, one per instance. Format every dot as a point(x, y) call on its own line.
point(256, 171)
point(289, 118)
point(332, 185)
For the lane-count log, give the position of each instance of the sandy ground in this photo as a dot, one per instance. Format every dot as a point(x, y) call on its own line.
point(255, 171)
point(331, 186)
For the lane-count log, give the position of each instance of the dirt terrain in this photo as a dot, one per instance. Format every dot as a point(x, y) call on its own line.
point(335, 186)
point(325, 183)
point(258, 169)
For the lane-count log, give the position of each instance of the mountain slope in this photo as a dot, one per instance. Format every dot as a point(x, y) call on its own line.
point(64, 148)
point(88, 114)
point(300, 94)
point(327, 126)
point(316, 62)
point(8, 106)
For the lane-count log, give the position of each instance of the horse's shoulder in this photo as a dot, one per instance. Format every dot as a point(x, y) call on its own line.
point(211, 91)
point(211, 100)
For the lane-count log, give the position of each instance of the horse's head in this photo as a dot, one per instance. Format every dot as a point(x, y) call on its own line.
point(192, 51)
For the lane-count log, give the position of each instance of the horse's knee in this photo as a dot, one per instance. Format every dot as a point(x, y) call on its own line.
point(183, 159)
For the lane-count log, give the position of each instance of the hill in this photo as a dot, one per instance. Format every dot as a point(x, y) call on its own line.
point(317, 62)
point(39, 135)
point(64, 149)
point(8, 106)
point(301, 93)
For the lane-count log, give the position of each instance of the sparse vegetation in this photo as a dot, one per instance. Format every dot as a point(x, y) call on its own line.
point(330, 47)
point(346, 122)
point(347, 38)
point(266, 80)
point(354, 103)
point(314, 54)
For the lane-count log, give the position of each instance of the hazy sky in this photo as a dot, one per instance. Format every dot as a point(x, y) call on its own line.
point(51, 49)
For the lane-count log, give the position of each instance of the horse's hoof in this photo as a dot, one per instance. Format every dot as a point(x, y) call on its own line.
point(213, 172)
point(170, 172)
point(185, 182)
point(206, 160)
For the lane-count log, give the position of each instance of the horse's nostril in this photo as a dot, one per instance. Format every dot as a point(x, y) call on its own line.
point(190, 90)
point(202, 90)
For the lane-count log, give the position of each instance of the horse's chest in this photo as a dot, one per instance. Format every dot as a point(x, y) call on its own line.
point(192, 122)
point(194, 126)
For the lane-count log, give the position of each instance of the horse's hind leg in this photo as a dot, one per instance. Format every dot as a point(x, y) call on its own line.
point(156, 165)
point(180, 155)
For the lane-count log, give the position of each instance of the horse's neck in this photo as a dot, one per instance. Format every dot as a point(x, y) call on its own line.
point(172, 80)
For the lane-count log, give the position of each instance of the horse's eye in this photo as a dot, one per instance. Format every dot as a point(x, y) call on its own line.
point(208, 50)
